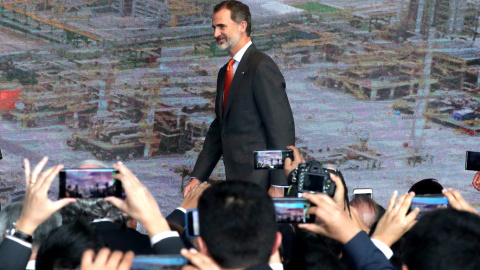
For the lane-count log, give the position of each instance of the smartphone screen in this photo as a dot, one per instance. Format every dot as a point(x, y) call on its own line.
point(157, 262)
point(89, 183)
point(192, 227)
point(270, 159)
point(472, 161)
point(428, 203)
point(292, 210)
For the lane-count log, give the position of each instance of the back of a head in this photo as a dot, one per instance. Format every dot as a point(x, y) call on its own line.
point(370, 211)
point(426, 186)
point(11, 213)
point(64, 246)
point(237, 224)
point(91, 209)
point(443, 240)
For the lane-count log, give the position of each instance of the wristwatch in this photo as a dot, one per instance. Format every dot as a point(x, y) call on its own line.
point(13, 231)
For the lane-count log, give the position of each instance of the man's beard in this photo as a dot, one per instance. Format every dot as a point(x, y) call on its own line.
point(230, 42)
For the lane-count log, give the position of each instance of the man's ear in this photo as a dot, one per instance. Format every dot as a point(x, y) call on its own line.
point(404, 267)
point(202, 246)
point(278, 242)
point(243, 26)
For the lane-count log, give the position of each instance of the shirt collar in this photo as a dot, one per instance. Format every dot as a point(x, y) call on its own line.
point(239, 55)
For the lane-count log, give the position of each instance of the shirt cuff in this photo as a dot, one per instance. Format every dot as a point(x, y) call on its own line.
point(159, 237)
point(20, 241)
point(182, 209)
point(280, 186)
point(386, 250)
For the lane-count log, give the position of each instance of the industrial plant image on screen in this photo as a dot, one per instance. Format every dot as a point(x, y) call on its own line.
point(387, 91)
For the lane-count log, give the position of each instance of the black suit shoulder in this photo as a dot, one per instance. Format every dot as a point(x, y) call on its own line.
point(13, 255)
point(123, 239)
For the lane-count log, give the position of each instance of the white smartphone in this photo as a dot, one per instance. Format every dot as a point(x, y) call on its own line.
point(363, 192)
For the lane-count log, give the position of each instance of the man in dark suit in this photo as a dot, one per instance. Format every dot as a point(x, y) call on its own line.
point(252, 109)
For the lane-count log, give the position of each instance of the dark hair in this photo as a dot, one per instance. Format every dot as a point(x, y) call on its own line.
point(362, 200)
point(240, 12)
point(314, 251)
point(237, 223)
point(65, 245)
point(444, 239)
point(426, 186)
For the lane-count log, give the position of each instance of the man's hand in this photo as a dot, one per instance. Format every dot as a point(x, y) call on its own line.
point(106, 260)
point(193, 182)
point(457, 202)
point(139, 202)
point(339, 196)
point(199, 260)
point(336, 223)
point(37, 207)
point(276, 192)
point(290, 164)
point(191, 199)
point(395, 222)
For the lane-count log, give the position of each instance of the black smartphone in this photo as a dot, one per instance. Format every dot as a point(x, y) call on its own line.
point(293, 210)
point(472, 161)
point(89, 183)
point(428, 203)
point(192, 227)
point(270, 159)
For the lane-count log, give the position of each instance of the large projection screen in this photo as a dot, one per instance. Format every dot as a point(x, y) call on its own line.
point(387, 91)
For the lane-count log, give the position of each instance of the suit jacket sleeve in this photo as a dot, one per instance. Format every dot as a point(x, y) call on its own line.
point(14, 255)
point(169, 246)
point(210, 154)
point(365, 255)
point(274, 109)
point(177, 216)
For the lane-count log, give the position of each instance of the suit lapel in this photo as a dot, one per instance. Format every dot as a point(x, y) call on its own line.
point(237, 78)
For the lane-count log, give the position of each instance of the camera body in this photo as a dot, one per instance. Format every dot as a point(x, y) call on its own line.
point(311, 177)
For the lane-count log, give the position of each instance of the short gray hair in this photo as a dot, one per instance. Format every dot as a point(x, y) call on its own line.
point(11, 213)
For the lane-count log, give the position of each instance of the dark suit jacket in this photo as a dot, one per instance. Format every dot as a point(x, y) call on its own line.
point(257, 116)
point(260, 267)
point(117, 238)
point(13, 255)
point(177, 216)
point(365, 255)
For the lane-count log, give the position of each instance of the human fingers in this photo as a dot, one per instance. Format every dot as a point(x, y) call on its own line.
point(127, 261)
point(391, 203)
point(114, 260)
point(38, 168)
point(412, 216)
point(119, 203)
point(46, 178)
point(313, 228)
point(199, 260)
point(27, 171)
point(57, 205)
point(459, 198)
point(405, 206)
point(339, 195)
point(87, 259)
point(399, 202)
point(102, 257)
point(319, 198)
point(125, 175)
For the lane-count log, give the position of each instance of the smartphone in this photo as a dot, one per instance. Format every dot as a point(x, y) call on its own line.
point(157, 262)
point(472, 161)
point(270, 159)
point(89, 183)
point(293, 210)
point(428, 203)
point(363, 192)
point(192, 227)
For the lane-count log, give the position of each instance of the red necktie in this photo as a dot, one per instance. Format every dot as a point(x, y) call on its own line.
point(228, 80)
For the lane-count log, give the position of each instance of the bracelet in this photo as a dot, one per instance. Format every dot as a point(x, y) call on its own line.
point(23, 236)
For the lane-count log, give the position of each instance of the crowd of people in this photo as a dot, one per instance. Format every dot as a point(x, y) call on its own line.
point(238, 228)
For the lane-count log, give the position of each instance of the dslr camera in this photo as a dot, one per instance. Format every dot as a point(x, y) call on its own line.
point(311, 177)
